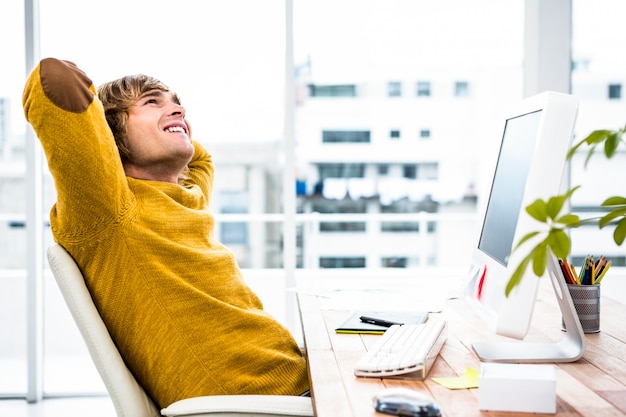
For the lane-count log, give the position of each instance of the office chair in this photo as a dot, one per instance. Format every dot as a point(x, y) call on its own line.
point(129, 398)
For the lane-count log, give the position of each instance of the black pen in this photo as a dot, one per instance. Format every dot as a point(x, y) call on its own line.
point(379, 322)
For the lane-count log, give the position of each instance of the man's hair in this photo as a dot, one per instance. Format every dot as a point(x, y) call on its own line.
point(117, 97)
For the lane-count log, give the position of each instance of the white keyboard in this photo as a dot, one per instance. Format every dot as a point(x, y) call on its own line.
point(406, 349)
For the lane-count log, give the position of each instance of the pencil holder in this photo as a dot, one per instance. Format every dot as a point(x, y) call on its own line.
point(586, 299)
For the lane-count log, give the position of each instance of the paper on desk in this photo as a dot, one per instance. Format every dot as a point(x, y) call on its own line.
point(467, 380)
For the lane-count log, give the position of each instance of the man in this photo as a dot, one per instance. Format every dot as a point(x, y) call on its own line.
point(132, 209)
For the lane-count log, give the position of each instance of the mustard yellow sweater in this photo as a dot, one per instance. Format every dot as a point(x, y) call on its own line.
point(172, 297)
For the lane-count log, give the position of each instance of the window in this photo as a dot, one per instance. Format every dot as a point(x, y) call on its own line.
point(461, 89)
point(403, 227)
point(394, 262)
point(235, 96)
point(341, 171)
point(615, 91)
point(343, 206)
point(394, 89)
point(428, 171)
point(352, 262)
point(239, 94)
point(423, 88)
point(580, 65)
point(399, 227)
point(356, 136)
point(347, 90)
point(234, 233)
point(406, 205)
point(342, 227)
point(409, 171)
point(394, 134)
point(424, 133)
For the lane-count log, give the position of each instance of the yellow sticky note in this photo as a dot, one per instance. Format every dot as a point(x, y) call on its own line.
point(467, 380)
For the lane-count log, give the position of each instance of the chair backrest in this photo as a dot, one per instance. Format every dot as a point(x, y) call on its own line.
point(129, 398)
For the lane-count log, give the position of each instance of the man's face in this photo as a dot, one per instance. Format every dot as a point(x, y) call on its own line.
point(157, 133)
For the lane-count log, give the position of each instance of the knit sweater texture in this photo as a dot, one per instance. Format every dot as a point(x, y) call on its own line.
point(172, 297)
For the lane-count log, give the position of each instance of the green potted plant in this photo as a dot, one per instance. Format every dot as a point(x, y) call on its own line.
point(552, 236)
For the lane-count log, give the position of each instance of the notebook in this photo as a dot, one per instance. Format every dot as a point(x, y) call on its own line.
point(354, 324)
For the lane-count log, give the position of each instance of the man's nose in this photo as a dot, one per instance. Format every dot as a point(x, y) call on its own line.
point(177, 109)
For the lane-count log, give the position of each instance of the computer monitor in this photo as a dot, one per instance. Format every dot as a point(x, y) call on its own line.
point(536, 137)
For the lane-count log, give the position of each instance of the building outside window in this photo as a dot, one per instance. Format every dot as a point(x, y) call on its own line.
point(461, 89)
point(423, 88)
point(345, 262)
point(347, 90)
point(362, 136)
point(234, 202)
point(343, 206)
point(394, 89)
point(428, 171)
point(409, 171)
point(341, 170)
point(615, 91)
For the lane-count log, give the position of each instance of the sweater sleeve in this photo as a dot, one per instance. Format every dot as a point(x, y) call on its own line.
point(61, 105)
point(201, 170)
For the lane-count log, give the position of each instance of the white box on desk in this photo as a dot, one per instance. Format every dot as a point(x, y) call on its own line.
point(517, 387)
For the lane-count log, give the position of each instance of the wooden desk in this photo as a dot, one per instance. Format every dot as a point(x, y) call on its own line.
point(593, 386)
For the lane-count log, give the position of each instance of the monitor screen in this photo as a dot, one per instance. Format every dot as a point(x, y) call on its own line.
point(509, 184)
point(536, 136)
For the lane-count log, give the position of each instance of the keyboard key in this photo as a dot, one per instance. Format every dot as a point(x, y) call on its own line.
point(404, 349)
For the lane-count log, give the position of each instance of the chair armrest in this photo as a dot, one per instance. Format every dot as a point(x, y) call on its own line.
point(241, 406)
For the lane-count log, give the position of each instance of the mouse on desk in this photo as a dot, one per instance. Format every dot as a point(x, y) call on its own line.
point(406, 403)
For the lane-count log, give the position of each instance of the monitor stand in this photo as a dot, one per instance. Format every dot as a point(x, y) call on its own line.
point(568, 349)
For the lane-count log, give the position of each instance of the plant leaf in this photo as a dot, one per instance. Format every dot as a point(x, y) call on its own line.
point(589, 155)
point(540, 258)
point(559, 243)
point(611, 139)
point(569, 220)
point(572, 151)
point(620, 232)
point(597, 136)
point(526, 237)
point(614, 201)
point(611, 144)
point(517, 276)
point(538, 210)
point(571, 191)
point(610, 216)
point(555, 204)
